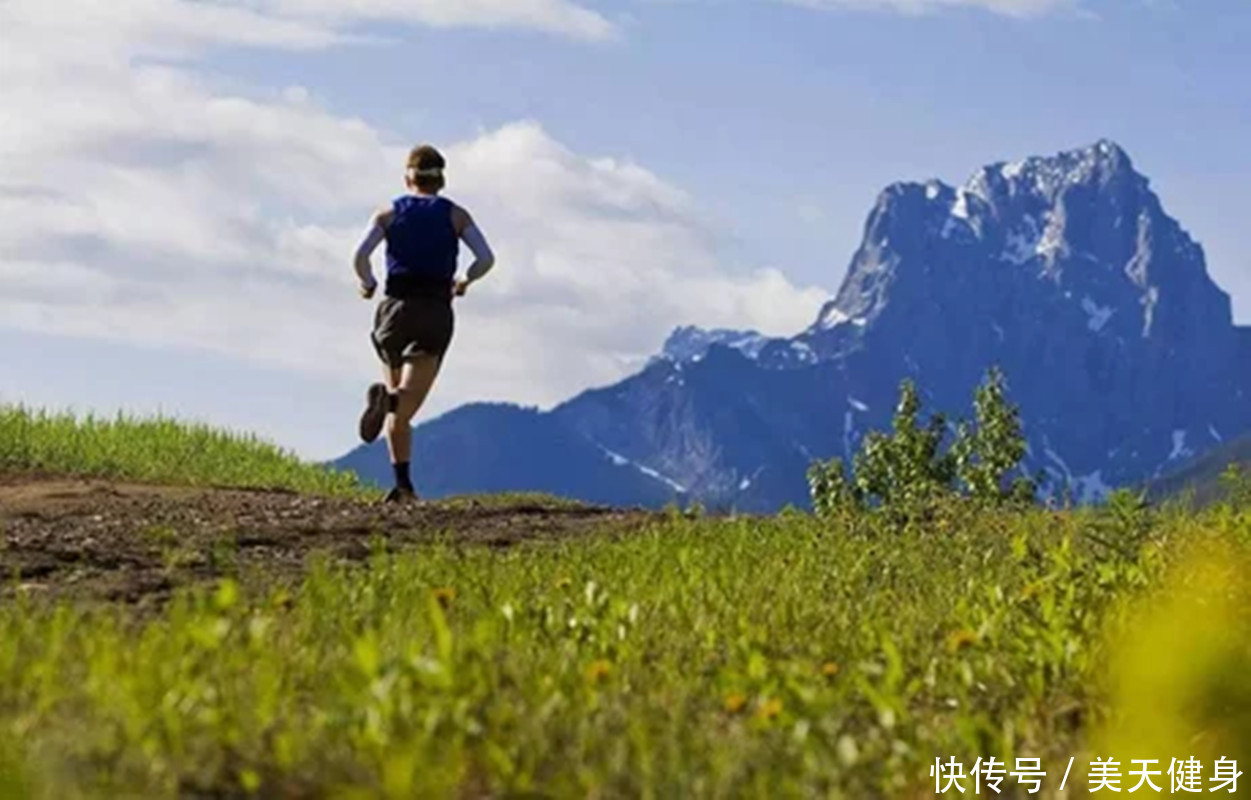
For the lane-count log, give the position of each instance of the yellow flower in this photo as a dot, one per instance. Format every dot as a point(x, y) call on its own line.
point(769, 709)
point(734, 702)
point(958, 640)
point(563, 583)
point(445, 595)
point(598, 671)
point(829, 669)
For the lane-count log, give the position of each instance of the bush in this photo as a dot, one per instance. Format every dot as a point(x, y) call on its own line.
point(910, 466)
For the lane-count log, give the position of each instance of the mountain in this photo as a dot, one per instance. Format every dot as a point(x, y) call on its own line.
point(1066, 271)
point(690, 343)
point(501, 448)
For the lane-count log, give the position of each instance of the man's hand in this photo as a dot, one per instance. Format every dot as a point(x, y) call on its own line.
point(367, 290)
point(462, 286)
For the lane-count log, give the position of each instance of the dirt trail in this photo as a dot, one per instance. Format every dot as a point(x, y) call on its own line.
point(135, 543)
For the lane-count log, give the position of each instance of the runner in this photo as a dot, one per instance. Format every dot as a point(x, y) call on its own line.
point(413, 324)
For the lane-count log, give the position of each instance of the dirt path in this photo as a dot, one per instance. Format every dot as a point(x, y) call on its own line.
point(135, 543)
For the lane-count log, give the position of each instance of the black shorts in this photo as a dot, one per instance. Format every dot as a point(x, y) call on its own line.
point(410, 327)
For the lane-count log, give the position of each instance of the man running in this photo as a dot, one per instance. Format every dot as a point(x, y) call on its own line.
point(413, 324)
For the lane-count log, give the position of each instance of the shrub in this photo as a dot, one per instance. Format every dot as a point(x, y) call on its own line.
point(910, 466)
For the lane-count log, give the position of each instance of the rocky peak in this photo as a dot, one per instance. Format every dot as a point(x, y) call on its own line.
point(1081, 228)
point(691, 343)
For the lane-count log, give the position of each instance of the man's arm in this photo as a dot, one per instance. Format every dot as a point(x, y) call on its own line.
point(374, 236)
point(471, 235)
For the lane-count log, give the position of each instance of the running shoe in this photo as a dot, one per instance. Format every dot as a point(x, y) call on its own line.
point(375, 414)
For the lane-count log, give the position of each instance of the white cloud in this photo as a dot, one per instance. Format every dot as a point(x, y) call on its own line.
point(558, 16)
point(1014, 8)
point(599, 260)
point(811, 213)
point(170, 27)
point(139, 204)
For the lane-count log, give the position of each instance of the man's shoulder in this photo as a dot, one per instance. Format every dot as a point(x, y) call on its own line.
point(386, 212)
point(460, 215)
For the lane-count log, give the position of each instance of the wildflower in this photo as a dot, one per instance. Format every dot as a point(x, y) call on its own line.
point(734, 703)
point(829, 669)
point(598, 671)
point(445, 595)
point(769, 709)
point(959, 640)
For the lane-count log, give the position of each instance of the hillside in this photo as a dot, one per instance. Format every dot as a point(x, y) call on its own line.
point(1066, 271)
point(155, 450)
point(1200, 477)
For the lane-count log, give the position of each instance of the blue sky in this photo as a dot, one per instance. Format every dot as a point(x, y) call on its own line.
point(180, 187)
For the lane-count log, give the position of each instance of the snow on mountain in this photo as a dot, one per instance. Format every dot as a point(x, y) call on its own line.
point(690, 343)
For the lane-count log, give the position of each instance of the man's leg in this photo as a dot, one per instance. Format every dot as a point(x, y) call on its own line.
point(380, 397)
point(379, 402)
point(411, 389)
point(391, 376)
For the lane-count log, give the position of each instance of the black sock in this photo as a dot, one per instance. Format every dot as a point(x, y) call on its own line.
point(402, 480)
point(393, 400)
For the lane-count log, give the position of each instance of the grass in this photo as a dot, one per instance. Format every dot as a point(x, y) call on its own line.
point(702, 658)
point(155, 450)
point(513, 500)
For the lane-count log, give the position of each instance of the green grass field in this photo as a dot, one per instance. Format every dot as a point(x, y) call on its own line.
point(781, 657)
point(155, 451)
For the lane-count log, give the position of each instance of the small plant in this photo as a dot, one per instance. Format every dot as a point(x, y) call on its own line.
point(160, 535)
point(1120, 529)
point(1236, 485)
point(223, 554)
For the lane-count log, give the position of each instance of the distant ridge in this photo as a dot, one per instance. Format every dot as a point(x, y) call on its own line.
point(1200, 478)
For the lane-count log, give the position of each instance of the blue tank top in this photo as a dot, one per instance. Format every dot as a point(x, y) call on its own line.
point(422, 246)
